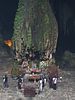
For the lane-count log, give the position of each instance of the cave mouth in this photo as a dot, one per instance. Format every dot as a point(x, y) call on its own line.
point(64, 13)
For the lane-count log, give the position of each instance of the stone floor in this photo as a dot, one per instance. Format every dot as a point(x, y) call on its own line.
point(65, 90)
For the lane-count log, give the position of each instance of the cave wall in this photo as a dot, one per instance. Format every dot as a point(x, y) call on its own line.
point(64, 13)
point(7, 13)
point(64, 16)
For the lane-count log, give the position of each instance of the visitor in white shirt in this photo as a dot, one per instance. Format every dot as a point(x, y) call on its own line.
point(54, 83)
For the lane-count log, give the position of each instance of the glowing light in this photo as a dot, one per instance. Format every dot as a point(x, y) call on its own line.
point(8, 42)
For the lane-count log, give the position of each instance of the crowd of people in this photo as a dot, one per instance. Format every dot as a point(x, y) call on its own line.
point(37, 58)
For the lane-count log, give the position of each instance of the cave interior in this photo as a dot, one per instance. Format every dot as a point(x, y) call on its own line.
point(65, 16)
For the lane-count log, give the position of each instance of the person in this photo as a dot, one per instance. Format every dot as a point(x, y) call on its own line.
point(40, 85)
point(43, 84)
point(5, 80)
point(50, 81)
point(45, 80)
point(19, 82)
point(54, 83)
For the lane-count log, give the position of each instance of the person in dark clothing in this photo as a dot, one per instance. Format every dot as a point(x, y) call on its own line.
point(19, 82)
point(43, 82)
point(5, 81)
point(50, 82)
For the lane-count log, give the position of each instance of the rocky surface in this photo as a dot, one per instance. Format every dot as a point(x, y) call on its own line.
point(65, 90)
point(6, 56)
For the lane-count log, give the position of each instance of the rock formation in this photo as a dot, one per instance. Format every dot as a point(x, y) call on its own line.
point(36, 24)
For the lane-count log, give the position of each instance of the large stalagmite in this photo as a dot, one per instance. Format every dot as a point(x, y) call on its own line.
point(36, 24)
